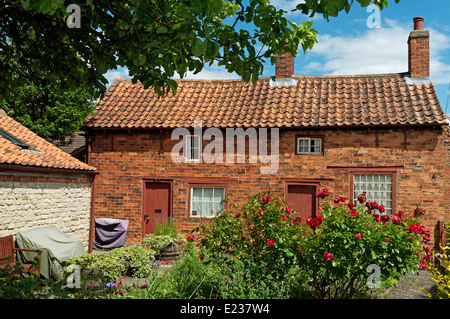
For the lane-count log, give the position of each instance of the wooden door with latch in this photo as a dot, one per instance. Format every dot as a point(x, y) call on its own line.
point(156, 205)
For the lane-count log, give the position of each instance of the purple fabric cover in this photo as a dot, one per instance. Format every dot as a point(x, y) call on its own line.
point(110, 233)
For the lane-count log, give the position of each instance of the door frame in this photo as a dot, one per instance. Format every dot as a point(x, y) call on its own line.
point(161, 181)
point(303, 182)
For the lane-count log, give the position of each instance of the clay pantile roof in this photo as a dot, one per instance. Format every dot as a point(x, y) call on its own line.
point(20, 146)
point(315, 101)
point(78, 142)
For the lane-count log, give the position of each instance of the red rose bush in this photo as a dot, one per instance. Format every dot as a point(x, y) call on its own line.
point(346, 239)
point(333, 249)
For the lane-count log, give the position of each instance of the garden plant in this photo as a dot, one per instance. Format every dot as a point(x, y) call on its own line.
point(440, 272)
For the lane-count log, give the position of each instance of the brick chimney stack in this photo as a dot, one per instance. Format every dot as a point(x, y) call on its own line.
point(284, 66)
point(419, 50)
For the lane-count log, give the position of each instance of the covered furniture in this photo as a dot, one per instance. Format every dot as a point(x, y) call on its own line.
point(110, 233)
point(8, 255)
point(56, 247)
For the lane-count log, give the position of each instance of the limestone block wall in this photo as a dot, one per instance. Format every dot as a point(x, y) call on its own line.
point(32, 200)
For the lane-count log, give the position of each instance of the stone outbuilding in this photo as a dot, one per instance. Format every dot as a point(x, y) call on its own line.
point(41, 185)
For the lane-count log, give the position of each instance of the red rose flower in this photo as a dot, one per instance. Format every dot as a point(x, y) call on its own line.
point(377, 217)
point(271, 242)
point(201, 256)
point(418, 212)
point(328, 256)
point(362, 198)
point(315, 222)
point(353, 212)
point(415, 228)
point(359, 236)
point(323, 193)
point(385, 218)
point(397, 219)
point(340, 199)
point(289, 210)
point(261, 212)
point(266, 199)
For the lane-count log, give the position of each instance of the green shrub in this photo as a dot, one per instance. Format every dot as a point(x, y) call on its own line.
point(157, 242)
point(254, 247)
point(164, 235)
point(187, 278)
point(132, 260)
point(440, 273)
point(345, 240)
point(166, 228)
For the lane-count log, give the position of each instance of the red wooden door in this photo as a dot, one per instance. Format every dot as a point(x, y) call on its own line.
point(156, 205)
point(303, 199)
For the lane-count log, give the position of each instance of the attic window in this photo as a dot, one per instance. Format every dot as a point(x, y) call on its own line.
point(310, 145)
point(193, 150)
point(13, 139)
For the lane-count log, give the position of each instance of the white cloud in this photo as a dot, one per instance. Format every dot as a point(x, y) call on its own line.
point(111, 75)
point(213, 72)
point(375, 51)
point(287, 5)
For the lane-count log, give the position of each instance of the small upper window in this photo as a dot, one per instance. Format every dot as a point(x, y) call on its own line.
point(193, 151)
point(309, 145)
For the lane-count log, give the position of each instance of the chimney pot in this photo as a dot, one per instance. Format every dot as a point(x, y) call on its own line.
point(418, 23)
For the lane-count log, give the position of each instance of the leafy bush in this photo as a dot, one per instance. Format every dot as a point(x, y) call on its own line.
point(440, 273)
point(132, 260)
point(187, 278)
point(157, 242)
point(164, 235)
point(255, 246)
point(166, 228)
point(347, 240)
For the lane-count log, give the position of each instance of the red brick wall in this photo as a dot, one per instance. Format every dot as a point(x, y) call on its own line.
point(419, 53)
point(284, 67)
point(124, 158)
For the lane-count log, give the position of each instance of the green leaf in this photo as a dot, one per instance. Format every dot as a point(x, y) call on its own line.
point(25, 4)
point(161, 29)
point(142, 59)
point(198, 47)
point(44, 6)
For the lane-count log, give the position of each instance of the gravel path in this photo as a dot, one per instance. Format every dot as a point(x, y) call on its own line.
point(411, 286)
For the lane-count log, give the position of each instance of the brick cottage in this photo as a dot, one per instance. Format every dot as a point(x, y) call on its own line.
point(385, 134)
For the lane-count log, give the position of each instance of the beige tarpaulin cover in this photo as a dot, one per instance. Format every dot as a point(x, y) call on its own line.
point(56, 247)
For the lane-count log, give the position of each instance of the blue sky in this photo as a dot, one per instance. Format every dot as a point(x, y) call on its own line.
point(348, 44)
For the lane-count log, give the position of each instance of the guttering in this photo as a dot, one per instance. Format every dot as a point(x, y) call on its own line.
point(284, 127)
point(50, 170)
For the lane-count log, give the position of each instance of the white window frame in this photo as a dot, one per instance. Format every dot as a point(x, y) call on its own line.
point(202, 201)
point(190, 149)
point(309, 145)
point(375, 190)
